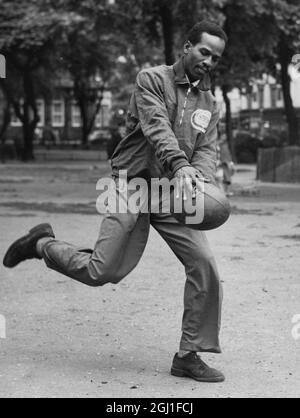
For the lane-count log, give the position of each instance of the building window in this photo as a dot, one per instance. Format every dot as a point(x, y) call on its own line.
point(249, 101)
point(41, 112)
point(273, 97)
point(261, 97)
point(75, 116)
point(103, 117)
point(279, 94)
point(58, 113)
point(254, 97)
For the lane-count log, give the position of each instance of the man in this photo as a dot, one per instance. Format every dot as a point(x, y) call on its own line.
point(224, 163)
point(171, 130)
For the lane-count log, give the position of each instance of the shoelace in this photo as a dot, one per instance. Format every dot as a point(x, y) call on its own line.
point(200, 362)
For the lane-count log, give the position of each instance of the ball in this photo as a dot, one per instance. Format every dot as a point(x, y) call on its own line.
point(205, 211)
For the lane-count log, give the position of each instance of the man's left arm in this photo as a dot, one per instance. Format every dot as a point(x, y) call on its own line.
point(204, 158)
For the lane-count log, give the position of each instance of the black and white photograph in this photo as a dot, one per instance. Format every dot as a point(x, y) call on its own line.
point(150, 202)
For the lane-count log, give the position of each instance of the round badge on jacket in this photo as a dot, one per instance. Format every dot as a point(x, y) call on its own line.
point(200, 120)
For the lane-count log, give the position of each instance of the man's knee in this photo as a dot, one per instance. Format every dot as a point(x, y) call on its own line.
point(202, 266)
point(98, 282)
point(203, 256)
point(100, 277)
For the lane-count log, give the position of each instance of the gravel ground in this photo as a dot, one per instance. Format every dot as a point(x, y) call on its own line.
point(67, 340)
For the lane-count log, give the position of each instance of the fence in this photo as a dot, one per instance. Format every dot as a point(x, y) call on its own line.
point(279, 165)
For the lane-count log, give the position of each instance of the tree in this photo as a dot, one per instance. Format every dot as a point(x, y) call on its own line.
point(154, 31)
point(242, 59)
point(87, 51)
point(287, 18)
point(282, 18)
point(6, 115)
point(261, 35)
point(27, 33)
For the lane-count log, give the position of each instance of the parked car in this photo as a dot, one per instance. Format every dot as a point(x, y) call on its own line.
point(99, 137)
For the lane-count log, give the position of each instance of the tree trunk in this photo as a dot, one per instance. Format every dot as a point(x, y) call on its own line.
point(291, 117)
point(98, 104)
point(85, 136)
point(228, 119)
point(5, 123)
point(88, 116)
point(28, 145)
point(84, 119)
point(168, 30)
point(27, 153)
point(29, 122)
point(80, 93)
point(6, 120)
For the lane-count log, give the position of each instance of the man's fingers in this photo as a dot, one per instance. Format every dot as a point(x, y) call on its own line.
point(186, 185)
point(201, 177)
point(199, 183)
point(177, 188)
point(189, 184)
point(181, 185)
point(184, 191)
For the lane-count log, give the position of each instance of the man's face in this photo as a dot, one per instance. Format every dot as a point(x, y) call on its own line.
point(202, 57)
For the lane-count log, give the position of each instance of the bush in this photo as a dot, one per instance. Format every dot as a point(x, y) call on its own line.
point(246, 147)
point(7, 152)
point(274, 139)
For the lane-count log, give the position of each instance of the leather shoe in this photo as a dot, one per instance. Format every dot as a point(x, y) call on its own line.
point(25, 247)
point(193, 366)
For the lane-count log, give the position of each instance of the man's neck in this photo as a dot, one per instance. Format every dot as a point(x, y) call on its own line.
point(193, 83)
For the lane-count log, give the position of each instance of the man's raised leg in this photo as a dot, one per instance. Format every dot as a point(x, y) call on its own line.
point(120, 245)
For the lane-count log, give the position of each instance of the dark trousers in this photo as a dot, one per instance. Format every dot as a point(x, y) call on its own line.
point(120, 245)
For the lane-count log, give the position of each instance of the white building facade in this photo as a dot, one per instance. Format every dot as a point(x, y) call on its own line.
point(266, 98)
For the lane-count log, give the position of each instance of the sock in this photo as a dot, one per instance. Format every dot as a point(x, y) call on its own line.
point(40, 245)
point(183, 353)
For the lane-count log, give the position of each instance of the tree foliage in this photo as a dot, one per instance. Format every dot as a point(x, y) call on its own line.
point(27, 35)
point(101, 44)
point(87, 51)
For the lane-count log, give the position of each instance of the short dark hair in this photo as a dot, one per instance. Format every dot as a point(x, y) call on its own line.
point(195, 34)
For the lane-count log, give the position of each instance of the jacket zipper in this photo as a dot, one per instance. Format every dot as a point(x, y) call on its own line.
point(184, 106)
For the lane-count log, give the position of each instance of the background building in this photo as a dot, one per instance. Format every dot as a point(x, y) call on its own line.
point(60, 120)
point(263, 105)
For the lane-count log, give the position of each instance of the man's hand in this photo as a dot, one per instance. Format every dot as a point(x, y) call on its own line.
point(187, 178)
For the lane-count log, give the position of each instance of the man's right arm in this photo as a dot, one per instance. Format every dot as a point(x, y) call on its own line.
point(155, 122)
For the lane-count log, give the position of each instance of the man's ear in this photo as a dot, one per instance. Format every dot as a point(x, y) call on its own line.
point(187, 46)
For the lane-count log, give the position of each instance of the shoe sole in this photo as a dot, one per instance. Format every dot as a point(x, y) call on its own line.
point(184, 373)
point(19, 241)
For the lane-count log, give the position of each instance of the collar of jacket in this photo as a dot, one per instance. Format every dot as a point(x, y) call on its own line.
point(181, 78)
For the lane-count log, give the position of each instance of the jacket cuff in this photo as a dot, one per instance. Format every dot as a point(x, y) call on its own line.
point(179, 164)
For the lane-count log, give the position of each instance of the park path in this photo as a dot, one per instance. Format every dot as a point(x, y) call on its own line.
point(67, 340)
